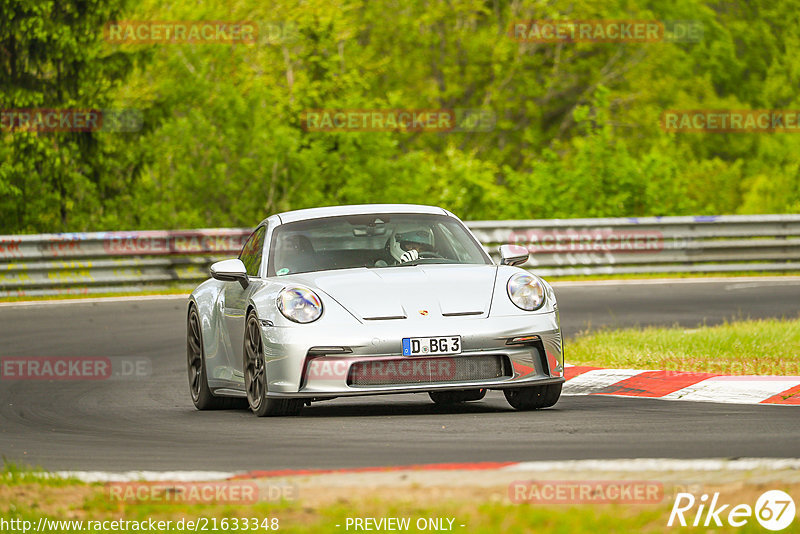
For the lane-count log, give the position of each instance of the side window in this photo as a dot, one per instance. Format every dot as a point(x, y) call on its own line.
point(253, 250)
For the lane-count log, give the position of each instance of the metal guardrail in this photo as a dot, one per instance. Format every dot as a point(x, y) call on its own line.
point(100, 262)
point(130, 261)
point(637, 245)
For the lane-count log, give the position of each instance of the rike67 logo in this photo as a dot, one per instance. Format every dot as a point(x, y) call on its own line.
point(774, 510)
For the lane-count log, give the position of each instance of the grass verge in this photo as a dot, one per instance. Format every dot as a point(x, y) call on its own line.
point(665, 276)
point(72, 506)
point(78, 296)
point(751, 347)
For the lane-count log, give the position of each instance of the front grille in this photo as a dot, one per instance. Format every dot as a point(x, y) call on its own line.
point(402, 371)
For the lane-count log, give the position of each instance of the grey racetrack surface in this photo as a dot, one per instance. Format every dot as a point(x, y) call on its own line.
point(149, 423)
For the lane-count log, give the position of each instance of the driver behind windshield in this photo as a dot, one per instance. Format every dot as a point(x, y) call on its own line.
point(410, 246)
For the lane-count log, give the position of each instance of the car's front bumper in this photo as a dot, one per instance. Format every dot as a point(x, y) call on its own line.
point(314, 362)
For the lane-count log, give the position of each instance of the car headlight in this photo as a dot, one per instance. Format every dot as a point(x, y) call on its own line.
point(526, 291)
point(299, 304)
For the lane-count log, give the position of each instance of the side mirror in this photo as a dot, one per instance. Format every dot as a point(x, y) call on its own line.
point(230, 271)
point(513, 255)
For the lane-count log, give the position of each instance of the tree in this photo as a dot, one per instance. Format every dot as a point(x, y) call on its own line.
point(52, 57)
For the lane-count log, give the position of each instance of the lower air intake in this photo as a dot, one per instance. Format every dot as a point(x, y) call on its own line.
point(400, 371)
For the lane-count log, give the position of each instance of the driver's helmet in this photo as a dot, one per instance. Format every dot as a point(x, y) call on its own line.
point(401, 242)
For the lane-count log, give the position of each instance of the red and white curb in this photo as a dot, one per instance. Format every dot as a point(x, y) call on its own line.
point(680, 385)
point(632, 465)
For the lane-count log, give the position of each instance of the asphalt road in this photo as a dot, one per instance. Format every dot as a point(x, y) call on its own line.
point(148, 422)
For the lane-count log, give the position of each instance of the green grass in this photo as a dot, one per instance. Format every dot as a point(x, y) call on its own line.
point(762, 347)
point(13, 475)
point(664, 276)
point(166, 291)
point(497, 517)
point(31, 494)
point(297, 518)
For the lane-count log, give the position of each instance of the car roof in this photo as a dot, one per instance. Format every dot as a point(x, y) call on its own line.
point(356, 209)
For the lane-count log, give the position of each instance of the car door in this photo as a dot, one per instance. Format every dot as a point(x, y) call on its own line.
point(236, 298)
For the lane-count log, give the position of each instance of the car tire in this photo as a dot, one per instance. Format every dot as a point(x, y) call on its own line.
point(201, 394)
point(533, 398)
point(455, 397)
point(255, 376)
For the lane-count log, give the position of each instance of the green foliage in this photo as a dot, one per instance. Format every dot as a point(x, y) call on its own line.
point(577, 129)
point(53, 57)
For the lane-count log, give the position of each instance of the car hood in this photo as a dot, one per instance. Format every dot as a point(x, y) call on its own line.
point(408, 292)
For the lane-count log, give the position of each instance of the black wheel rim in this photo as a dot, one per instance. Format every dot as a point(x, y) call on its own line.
point(194, 353)
point(255, 373)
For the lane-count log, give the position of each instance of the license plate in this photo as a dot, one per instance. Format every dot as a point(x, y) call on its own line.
point(419, 346)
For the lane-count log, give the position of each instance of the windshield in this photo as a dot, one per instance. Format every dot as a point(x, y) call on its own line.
point(373, 241)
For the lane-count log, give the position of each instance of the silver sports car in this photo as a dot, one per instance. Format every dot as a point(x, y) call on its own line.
point(366, 300)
